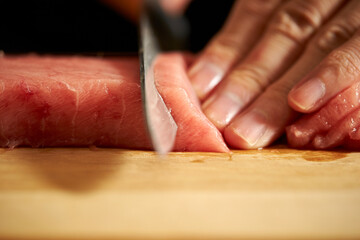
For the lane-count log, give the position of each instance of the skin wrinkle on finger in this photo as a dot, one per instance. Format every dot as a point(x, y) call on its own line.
point(240, 32)
point(251, 77)
point(299, 19)
point(224, 47)
point(340, 29)
point(333, 37)
point(272, 103)
point(271, 57)
point(251, 73)
point(261, 66)
point(347, 62)
point(340, 68)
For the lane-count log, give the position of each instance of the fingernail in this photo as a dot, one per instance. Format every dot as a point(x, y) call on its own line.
point(308, 94)
point(250, 127)
point(204, 77)
point(221, 109)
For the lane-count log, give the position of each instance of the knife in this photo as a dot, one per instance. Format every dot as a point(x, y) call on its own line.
point(159, 32)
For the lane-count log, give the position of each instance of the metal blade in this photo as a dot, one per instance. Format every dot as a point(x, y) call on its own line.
point(160, 123)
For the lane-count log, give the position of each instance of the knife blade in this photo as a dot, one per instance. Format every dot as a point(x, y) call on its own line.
point(157, 34)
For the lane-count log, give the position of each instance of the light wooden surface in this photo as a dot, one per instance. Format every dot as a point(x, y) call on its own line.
point(118, 194)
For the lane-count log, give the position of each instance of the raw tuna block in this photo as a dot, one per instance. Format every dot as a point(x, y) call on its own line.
point(335, 124)
point(84, 101)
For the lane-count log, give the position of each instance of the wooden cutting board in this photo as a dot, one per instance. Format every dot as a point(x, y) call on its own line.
point(274, 193)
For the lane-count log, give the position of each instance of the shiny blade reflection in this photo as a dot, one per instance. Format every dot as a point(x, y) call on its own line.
point(160, 123)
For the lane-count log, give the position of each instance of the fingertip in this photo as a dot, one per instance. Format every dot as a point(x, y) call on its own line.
point(210, 111)
point(221, 107)
point(234, 140)
point(294, 104)
point(218, 123)
point(248, 131)
point(204, 76)
point(307, 96)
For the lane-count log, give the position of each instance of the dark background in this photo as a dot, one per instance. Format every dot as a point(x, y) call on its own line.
point(51, 26)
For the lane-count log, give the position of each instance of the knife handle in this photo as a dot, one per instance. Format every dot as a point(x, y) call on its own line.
point(172, 31)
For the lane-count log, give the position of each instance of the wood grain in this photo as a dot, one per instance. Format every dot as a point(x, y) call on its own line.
point(275, 193)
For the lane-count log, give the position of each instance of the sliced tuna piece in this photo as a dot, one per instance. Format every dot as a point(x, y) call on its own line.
point(84, 101)
point(333, 125)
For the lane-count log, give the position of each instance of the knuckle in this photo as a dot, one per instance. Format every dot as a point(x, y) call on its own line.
point(228, 41)
point(332, 37)
point(278, 92)
point(345, 61)
point(224, 47)
point(249, 77)
point(297, 21)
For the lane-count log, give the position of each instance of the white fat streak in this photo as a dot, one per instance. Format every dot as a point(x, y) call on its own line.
point(73, 121)
point(105, 87)
point(27, 87)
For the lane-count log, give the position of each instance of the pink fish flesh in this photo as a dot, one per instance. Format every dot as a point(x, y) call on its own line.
point(336, 124)
point(83, 101)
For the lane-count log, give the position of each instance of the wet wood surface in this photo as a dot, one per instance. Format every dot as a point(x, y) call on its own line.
point(275, 193)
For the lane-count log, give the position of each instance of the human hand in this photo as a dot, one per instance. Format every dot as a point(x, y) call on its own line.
point(265, 49)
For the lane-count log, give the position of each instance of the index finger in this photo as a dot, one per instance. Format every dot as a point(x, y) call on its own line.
point(244, 26)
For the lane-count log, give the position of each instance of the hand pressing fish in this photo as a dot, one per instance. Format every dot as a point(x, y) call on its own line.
point(84, 101)
point(273, 58)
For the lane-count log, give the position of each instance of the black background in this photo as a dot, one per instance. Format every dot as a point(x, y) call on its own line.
point(51, 26)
